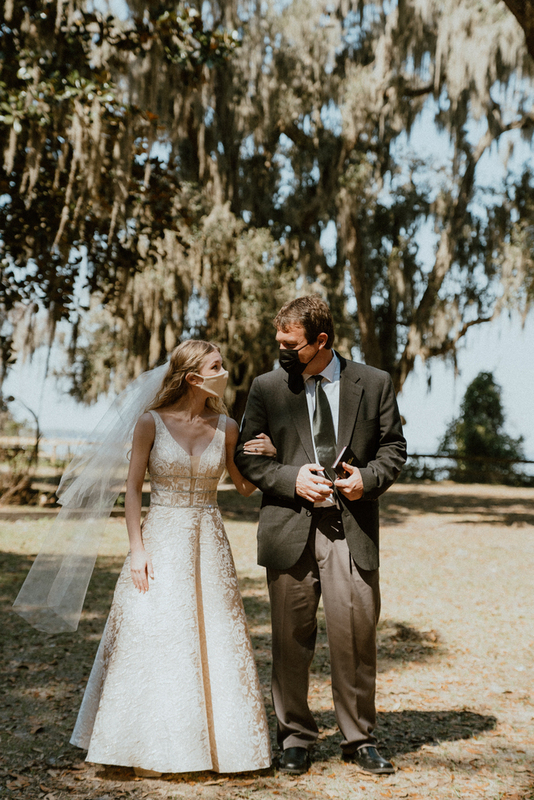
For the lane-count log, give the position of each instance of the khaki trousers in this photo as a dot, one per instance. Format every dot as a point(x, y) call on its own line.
point(351, 600)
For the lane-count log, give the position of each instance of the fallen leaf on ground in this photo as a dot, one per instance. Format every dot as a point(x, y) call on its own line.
point(248, 782)
point(36, 729)
point(18, 784)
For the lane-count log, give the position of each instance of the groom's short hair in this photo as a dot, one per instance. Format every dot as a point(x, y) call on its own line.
point(312, 313)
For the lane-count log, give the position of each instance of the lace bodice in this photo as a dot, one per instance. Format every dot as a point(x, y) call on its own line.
point(180, 480)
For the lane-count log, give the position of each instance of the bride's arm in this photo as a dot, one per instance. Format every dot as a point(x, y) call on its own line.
point(243, 486)
point(261, 445)
point(140, 562)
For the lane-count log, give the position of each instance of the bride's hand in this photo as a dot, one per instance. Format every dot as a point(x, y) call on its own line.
point(141, 569)
point(260, 446)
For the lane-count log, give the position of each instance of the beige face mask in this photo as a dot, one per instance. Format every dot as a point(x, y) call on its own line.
point(214, 384)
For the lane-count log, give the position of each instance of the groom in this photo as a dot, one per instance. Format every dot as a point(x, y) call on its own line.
point(318, 534)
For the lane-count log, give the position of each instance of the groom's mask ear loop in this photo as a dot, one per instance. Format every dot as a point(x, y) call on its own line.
point(290, 361)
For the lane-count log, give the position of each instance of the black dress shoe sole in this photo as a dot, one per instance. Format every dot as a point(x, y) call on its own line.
point(369, 770)
point(294, 770)
point(378, 771)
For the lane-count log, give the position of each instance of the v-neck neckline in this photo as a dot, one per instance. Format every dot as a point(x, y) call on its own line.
point(176, 442)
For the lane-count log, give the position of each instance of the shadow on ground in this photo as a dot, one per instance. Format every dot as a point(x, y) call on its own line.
point(400, 642)
point(44, 676)
point(236, 507)
point(489, 509)
point(406, 731)
point(501, 508)
point(401, 732)
point(395, 506)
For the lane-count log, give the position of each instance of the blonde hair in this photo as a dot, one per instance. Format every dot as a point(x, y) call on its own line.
point(187, 357)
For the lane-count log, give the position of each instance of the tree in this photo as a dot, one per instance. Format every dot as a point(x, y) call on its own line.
point(478, 436)
point(523, 11)
point(18, 462)
point(298, 140)
point(235, 287)
point(84, 200)
point(343, 88)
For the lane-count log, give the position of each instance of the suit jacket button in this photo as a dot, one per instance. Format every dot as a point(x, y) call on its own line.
point(308, 512)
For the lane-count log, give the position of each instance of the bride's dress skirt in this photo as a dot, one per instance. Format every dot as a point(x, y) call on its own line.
point(174, 686)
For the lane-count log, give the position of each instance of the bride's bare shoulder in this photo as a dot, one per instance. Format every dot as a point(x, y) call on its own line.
point(232, 429)
point(145, 425)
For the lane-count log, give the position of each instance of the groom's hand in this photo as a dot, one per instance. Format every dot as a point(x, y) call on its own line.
point(311, 483)
point(351, 487)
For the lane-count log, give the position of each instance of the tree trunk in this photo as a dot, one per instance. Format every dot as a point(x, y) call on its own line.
point(523, 11)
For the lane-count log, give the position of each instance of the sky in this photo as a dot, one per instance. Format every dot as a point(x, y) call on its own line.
point(503, 347)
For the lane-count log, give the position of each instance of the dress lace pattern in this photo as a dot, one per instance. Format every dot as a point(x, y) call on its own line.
point(174, 686)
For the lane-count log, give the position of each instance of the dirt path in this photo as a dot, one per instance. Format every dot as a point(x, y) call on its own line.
point(456, 644)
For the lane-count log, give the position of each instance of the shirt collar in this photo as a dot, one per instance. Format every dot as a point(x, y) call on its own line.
point(331, 372)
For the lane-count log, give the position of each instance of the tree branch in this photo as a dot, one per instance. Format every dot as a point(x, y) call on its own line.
point(449, 345)
point(418, 92)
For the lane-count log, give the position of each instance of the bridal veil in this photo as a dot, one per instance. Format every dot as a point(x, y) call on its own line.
point(53, 593)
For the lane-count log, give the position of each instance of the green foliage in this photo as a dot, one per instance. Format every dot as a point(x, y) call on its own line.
point(8, 425)
point(16, 461)
point(478, 436)
point(241, 278)
point(79, 184)
point(224, 280)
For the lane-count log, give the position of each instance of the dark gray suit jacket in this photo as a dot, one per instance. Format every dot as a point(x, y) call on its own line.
point(369, 423)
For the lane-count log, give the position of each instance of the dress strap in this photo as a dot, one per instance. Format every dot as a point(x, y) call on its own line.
point(221, 429)
point(219, 451)
point(160, 425)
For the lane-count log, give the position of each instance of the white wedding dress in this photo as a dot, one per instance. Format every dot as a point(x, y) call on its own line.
point(174, 686)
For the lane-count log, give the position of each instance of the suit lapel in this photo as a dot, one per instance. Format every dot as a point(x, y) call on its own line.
point(298, 406)
point(350, 395)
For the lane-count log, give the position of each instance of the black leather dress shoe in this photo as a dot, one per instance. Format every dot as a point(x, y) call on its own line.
point(369, 759)
point(295, 760)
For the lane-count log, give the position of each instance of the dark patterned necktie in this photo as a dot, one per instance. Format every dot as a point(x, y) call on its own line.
point(323, 429)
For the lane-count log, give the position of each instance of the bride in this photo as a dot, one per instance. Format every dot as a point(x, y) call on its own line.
point(174, 686)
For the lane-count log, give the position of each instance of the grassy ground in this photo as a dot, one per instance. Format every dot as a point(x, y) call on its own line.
point(456, 640)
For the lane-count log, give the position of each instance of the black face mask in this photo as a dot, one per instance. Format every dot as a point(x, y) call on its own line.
point(289, 360)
